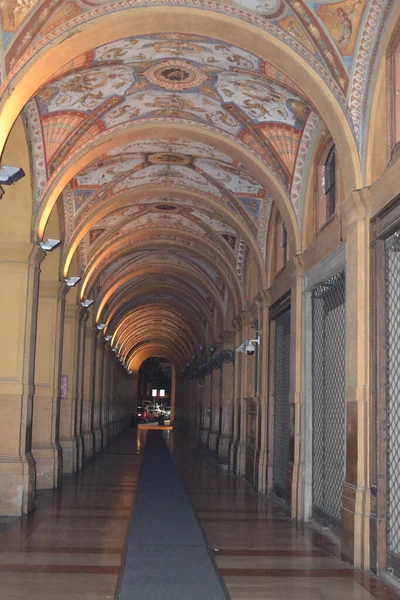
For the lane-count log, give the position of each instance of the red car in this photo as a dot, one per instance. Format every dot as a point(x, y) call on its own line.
point(142, 414)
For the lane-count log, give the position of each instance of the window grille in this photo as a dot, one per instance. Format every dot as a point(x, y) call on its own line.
point(281, 406)
point(329, 413)
point(392, 252)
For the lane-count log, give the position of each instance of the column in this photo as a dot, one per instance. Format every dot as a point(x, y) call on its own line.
point(105, 397)
point(19, 272)
point(240, 408)
point(236, 416)
point(296, 305)
point(226, 417)
point(98, 392)
point(356, 502)
point(263, 301)
point(83, 317)
point(88, 391)
point(205, 428)
point(215, 405)
point(70, 376)
point(46, 448)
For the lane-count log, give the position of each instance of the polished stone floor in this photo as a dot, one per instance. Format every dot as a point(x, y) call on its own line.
point(71, 546)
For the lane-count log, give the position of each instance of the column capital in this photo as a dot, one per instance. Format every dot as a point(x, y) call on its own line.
point(355, 208)
point(263, 299)
point(21, 252)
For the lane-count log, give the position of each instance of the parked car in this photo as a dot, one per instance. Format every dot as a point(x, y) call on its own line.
point(154, 412)
point(167, 412)
point(142, 414)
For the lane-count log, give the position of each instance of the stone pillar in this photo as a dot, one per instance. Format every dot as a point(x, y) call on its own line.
point(296, 300)
point(83, 317)
point(240, 408)
point(263, 301)
point(68, 402)
point(98, 351)
point(173, 396)
point(88, 391)
point(226, 410)
point(205, 426)
point(19, 269)
point(215, 409)
point(105, 396)
point(356, 501)
point(46, 449)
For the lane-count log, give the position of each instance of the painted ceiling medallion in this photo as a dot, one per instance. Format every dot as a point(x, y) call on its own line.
point(175, 74)
point(169, 158)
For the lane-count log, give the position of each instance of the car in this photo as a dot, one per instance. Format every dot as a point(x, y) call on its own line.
point(142, 414)
point(154, 412)
point(167, 412)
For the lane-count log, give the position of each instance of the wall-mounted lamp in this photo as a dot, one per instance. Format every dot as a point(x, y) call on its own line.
point(71, 281)
point(49, 244)
point(9, 175)
point(107, 337)
point(100, 326)
point(86, 303)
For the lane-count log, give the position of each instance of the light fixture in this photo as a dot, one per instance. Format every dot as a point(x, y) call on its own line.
point(100, 326)
point(129, 372)
point(114, 348)
point(71, 281)
point(49, 244)
point(162, 393)
point(9, 175)
point(108, 337)
point(86, 303)
point(154, 393)
point(212, 348)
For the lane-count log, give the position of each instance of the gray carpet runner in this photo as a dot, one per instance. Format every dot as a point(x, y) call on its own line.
point(167, 556)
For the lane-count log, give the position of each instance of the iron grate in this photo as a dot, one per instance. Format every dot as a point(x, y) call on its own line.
point(281, 407)
point(329, 411)
point(392, 251)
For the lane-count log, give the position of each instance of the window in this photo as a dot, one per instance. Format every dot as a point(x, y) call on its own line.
point(284, 244)
point(330, 182)
point(326, 183)
point(281, 243)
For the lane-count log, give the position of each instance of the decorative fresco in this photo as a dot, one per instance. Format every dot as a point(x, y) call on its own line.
point(322, 29)
point(195, 79)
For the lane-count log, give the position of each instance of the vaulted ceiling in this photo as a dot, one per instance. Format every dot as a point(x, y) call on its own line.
point(165, 150)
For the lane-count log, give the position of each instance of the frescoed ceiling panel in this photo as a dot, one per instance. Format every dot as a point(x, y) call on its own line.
point(197, 248)
point(199, 79)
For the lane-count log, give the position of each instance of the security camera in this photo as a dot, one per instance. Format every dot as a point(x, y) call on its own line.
point(250, 349)
point(248, 346)
point(9, 175)
point(49, 244)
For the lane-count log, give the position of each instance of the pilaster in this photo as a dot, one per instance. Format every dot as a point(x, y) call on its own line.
point(356, 496)
point(88, 390)
point(68, 403)
point(19, 268)
point(98, 351)
point(46, 448)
